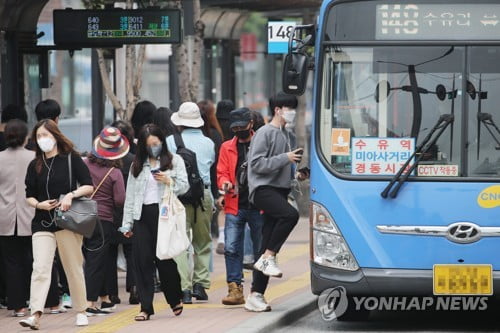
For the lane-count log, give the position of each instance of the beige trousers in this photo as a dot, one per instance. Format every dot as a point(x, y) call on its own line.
point(70, 251)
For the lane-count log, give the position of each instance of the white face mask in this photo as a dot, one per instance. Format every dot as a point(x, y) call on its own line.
point(289, 116)
point(46, 144)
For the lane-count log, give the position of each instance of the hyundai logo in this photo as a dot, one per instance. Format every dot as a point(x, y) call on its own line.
point(463, 232)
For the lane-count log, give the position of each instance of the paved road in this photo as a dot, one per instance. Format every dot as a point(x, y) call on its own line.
point(412, 321)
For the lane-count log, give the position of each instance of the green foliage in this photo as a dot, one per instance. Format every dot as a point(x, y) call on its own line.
point(256, 24)
point(93, 4)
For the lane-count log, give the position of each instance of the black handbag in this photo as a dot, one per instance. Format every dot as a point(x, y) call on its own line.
point(81, 217)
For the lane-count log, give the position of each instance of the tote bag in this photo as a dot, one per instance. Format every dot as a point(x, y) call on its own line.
point(172, 238)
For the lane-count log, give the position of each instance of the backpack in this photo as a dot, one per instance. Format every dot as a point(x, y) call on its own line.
point(194, 195)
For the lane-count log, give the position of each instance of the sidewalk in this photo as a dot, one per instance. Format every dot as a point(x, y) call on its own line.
point(206, 317)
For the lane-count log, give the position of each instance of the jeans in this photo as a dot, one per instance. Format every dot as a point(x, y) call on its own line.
point(234, 232)
point(248, 252)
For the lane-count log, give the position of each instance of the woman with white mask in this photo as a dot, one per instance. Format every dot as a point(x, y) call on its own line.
point(47, 178)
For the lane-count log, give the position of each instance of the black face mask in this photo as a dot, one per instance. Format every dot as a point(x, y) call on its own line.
point(243, 134)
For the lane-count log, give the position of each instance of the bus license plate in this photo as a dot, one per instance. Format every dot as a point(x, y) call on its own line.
point(462, 280)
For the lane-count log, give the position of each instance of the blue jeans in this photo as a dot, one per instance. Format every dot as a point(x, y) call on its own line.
point(234, 231)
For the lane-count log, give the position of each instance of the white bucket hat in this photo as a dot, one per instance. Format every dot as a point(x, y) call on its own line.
point(188, 115)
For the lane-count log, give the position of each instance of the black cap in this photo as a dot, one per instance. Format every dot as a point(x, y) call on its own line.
point(240, 117)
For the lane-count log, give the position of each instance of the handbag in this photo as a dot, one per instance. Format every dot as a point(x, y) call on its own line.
point(172, 238)
point(81, 217)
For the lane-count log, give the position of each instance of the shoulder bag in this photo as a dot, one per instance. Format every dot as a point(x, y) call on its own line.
point(81, 217)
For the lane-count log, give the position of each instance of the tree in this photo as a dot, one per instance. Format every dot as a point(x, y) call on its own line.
point(189, 71)
point(134, 62)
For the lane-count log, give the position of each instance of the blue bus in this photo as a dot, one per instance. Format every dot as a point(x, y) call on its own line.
point(405, 163)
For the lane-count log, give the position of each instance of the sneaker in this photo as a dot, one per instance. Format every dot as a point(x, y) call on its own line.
point(56, 310)
point(268, 266)
point(256, 303)
point(220, 248)
point(66, 301)
point(31, 322)
point(94, 312)
point(81, 319)
point(19, 313)
point(108, 306)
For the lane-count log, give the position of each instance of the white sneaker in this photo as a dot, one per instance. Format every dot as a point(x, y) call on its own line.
point(81, 319)
point(256, 303)
point(31, 322)
point(268, 266)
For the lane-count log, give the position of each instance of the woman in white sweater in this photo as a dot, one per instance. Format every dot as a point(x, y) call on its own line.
point(153, 169)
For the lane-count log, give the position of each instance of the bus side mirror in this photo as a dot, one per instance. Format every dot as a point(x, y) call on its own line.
point(295, 69)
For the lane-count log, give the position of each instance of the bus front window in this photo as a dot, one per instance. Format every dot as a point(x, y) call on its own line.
point(391, 92)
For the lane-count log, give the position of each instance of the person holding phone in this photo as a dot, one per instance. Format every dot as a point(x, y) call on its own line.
point(47, 178)
point(272, 161)
point(154, 168)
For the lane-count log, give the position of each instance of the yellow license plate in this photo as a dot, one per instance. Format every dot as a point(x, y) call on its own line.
point(462, 280)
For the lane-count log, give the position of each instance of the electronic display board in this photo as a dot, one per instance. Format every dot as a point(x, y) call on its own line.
point(115, 27)
point(438, 21)
point(419, 20)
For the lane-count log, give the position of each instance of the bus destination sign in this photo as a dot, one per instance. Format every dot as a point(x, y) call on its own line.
point(437, 21)
point(115, 27)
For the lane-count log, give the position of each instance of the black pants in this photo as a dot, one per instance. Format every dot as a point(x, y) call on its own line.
point(97, 262)
point(279, 220)
point(17, 262)
point(127, 251)
point(144, 253)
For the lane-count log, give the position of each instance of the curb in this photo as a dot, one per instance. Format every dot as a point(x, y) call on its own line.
point(281, 315)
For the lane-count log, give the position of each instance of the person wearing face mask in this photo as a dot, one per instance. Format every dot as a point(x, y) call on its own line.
point(238, 209)
point(47, 179)
point(154, 168)
point(271, 168)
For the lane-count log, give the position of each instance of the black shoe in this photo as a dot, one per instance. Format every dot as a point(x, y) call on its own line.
point(248, 266)
point(95, 312)
point(115, 299)
point(107, 306)
point(199, 292)
point(134, 298)
point(186, 297)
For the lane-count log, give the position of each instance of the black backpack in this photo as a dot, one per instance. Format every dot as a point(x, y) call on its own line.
point(194, 195)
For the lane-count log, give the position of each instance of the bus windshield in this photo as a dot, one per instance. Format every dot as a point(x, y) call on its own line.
point(372, 95)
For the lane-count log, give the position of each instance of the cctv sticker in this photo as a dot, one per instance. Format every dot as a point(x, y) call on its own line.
point(489, 197)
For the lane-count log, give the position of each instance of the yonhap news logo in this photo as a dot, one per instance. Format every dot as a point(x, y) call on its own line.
point(334, 302)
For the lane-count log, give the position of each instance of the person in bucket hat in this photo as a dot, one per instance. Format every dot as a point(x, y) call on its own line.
point(111, 144)
point(104, 164)
point(198, 217)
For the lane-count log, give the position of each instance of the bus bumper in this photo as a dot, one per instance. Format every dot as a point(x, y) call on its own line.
point(378, 282)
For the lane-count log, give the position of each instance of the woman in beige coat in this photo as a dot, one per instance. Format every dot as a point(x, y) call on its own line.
point(16, 216)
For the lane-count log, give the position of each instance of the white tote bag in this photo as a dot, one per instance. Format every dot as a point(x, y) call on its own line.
point(172, 238)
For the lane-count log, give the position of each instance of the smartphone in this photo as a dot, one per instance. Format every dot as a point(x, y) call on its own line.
point(153, 171)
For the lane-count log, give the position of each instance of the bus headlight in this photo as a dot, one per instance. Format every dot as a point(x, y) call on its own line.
point(328, 246)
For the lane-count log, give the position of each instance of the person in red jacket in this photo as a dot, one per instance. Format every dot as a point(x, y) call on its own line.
point(231, 179)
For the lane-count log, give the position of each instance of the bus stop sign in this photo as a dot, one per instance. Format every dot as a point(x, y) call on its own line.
point(77, 28)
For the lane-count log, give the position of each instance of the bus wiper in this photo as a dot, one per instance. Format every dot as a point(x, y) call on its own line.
point(440, 126)
point(487, 120)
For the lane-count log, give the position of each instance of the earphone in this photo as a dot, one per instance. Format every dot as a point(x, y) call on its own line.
point(45, 223)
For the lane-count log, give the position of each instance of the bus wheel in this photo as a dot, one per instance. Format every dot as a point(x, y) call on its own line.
point(353, 314)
